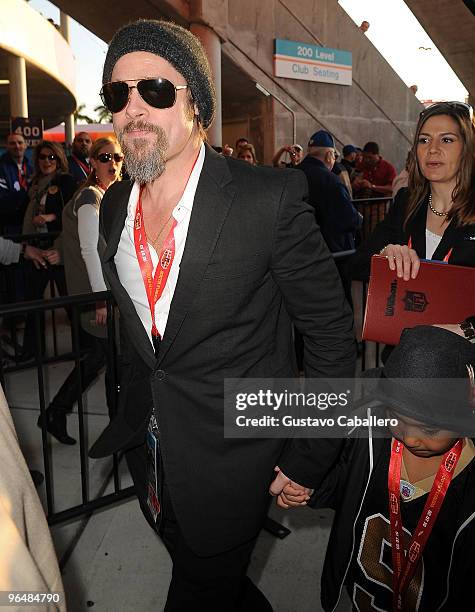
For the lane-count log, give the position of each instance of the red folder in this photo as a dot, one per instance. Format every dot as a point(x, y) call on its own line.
point(441, 293)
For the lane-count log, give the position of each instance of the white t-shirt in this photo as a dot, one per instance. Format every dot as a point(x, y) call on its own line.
point(432, 242)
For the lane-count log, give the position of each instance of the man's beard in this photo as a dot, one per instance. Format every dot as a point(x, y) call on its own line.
point(81, 152)
point(145, 160)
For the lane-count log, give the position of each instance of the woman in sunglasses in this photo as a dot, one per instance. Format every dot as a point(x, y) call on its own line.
point(51, 188)
point(434, 217)
point(79, 249)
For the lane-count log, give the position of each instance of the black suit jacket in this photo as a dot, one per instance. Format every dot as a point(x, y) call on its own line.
point(253, 261)
point(459, 241)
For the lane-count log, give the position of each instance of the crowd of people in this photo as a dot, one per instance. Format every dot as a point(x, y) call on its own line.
point(215, 264)
point(58, 199)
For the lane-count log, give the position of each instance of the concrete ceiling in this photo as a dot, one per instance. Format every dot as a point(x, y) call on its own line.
point(451, 25)
point(238, 89)
point(104, 19)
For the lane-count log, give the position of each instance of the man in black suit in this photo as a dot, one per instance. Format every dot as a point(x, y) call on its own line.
point(210, 260)
point(78, 161)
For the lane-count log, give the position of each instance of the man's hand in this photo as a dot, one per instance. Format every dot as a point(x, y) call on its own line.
point(294, 495)
point(290, 494)
point(101, 313)
point(53, 257)
point(37, 256)
point(39, 220)
point(43, 219)
point(227, 150)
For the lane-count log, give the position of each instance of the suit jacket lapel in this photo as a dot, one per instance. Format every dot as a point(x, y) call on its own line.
point(136, 332)
point(213, 198)
point(113, 221)
point(416, 230)
point(447, 241)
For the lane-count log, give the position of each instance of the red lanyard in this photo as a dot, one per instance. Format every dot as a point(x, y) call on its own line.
point(154, 284)
point(86, 168)
point(22, 176)
point(446, 258)
point(405, 566)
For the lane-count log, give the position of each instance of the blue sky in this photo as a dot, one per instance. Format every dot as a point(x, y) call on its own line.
point(388, 20)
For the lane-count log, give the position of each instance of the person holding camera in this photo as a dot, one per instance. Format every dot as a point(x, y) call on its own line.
point(295, 153)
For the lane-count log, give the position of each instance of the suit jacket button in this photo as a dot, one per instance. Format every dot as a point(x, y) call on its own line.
point(159, 374)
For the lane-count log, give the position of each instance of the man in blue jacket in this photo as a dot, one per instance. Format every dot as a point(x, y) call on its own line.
point(15, 173)
point(337, 217)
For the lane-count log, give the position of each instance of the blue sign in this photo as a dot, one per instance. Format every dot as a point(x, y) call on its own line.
point(304, 61)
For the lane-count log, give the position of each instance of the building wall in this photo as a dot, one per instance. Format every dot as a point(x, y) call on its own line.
point(377, 106)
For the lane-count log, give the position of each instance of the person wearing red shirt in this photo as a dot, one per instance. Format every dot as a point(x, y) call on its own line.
point(375, 176)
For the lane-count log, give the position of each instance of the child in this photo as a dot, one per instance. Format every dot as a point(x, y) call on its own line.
point(413, 492)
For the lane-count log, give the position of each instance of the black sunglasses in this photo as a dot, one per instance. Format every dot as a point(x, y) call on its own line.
point(49, 157)
point(159, 93)
point(460, 106)
point(104, 158)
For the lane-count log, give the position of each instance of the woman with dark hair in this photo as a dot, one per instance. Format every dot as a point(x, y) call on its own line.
point(79, 245)
point(434, 217)
point(50, 190)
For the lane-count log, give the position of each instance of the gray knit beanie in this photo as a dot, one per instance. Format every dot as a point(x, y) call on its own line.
point(176, 45)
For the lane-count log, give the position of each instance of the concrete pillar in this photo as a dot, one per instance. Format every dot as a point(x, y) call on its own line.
point(210, 41)
point(69, 129)
point(69, 126)
point(18, 89)
point(64, 22)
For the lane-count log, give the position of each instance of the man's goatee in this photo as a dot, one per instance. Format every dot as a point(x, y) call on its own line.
point(144, 161)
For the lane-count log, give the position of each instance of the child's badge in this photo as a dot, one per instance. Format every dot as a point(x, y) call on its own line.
point(407, 489)
point(53, 189)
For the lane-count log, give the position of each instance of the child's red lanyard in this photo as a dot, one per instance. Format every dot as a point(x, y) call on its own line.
point(446, 258)
point(405, 566)
point(154, 284)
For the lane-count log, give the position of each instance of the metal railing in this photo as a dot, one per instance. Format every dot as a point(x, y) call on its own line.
point(373, 211)
point(368, 352)
point(77, 354)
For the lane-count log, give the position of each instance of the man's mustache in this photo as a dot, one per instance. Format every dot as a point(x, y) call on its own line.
point(142, 126)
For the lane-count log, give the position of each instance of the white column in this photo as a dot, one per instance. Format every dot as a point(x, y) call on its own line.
point(64, 21)
point(18, 89)
point(210, 41)
point(69, 129)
